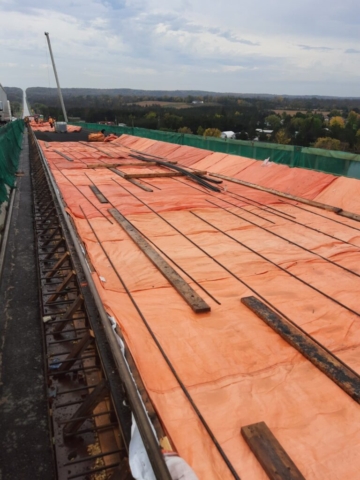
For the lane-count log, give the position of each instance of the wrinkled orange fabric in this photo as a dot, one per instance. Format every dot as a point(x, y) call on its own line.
point(46, 127)
point(344, 193)
point(96, 137)
point(237, 369)
point(110, 138)
point(296, 181)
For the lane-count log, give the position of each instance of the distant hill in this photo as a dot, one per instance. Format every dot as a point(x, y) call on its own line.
point(43, 92)
point(36, 94)
point(14, 94)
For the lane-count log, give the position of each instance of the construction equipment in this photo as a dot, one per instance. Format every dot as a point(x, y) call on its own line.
point(5, 108)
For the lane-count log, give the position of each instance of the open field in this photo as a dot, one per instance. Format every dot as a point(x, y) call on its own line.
point(294, 112)
point(179, 105)
point(149, 103)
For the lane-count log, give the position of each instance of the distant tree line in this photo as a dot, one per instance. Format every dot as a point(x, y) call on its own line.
point(323, 122)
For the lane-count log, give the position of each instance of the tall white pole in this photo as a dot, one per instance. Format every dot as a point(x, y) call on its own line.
point(56, 78)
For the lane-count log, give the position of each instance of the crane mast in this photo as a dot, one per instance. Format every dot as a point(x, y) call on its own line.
point(56, 78)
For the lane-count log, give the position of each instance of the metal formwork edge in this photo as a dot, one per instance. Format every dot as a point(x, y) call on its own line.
point(150, 441)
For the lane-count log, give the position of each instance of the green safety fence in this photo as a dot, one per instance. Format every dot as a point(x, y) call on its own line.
point(328, 161)
point(10, 147)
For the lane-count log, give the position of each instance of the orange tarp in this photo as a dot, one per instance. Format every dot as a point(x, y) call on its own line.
point(187, 156)
point(162, 148)
point(297, 181)
point(227, 165)
point(45, 127)
point(344, 193)
point(239, 242)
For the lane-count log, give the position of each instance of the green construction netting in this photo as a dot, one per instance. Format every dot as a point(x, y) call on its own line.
point(328, 161)
point(10, 147)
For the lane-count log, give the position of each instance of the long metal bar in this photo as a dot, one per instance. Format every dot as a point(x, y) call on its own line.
point(6, 231)
point(320, 215)
point(166, 358)
point(191, 175)
point(86, 198)
point(197, 304)
point(279, 215)
point(287, 272)
point(313, 203)
point(285, 239)
point(260, 206)
point(277, 235)
point(227, 269)
point(324, 360)
point(167, 256)
point(56, 78)
point(146, 431)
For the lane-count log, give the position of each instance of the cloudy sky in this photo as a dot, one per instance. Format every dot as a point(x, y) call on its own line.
point(279, 46)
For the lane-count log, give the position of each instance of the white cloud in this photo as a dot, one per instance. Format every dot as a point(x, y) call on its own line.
point(275, 47)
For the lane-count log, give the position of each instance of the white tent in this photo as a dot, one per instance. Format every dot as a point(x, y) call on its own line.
point(228, 134)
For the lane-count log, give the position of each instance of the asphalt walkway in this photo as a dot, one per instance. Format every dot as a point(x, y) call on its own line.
point(25, 444)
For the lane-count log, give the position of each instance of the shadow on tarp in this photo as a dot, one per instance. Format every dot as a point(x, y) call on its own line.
point(10, 148)
point(328, 161)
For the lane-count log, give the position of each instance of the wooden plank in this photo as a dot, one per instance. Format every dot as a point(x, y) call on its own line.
point(187, 293)
point(105, 153)
point(63, 155)
point(270, 454)
point(60, 289)
point(146, 157)
point(131, 180)
point(323, 206)
point(140, 185)
point(70, 312)
point(353, 216)
point(158, 174)
point(102, 165)
point(98, 149)
point(90, 402)
point(77, 349)
point(54, 249)
point(153, 175)
point(99, 195)
point(195, 171)
point(57, 265)
point(318, 355)
point(51, 237)
point(114, 165)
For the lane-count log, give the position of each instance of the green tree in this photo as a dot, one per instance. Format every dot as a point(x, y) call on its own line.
point(172, 121)
point(282, 137)
point(337, 122)
point(16, 109)
point(356, 146)
point(328, 143)
point(212, 132)
point(334, 113)
point(184, 130)
point(151, 116)
point(273, 121)
point(353, 120)
point(297, 123)
point(200, 131)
